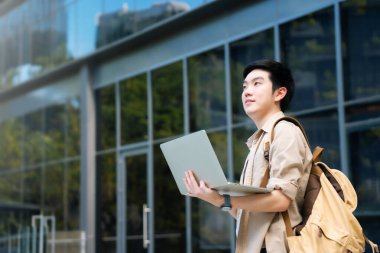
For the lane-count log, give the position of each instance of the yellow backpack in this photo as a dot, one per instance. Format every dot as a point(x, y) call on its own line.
point(329, 225)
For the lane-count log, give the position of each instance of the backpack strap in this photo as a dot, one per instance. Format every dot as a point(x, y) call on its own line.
point(317, 154)
point(374, 247)
point(315, 169)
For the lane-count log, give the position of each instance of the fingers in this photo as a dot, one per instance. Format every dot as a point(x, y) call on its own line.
point(194, 188)
point(190, 182)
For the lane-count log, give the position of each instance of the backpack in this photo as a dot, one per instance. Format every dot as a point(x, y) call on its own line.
point(328, 222)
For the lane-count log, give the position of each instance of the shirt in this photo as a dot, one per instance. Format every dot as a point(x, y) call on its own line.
point(290, 160)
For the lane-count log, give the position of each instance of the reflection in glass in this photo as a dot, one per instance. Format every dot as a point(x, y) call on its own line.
point(134, 109)
point(308, 48)
point(124, 22)
point(11, 134)
point(244, 51)
point(170, 217)
point(73, 127)
point(55, 132)
point(10, 187)
point(106, 203)
point(167, 90)
point(105, 118)
point(38, 36)
point(363, 112)
point(34, 137)
point(136, 173)
point(32, 186)
point(219, 143)
point(53, 190)
point(371, 226)
point(207, 90)
point(322, 130)
point(211, 228)
point(365, 167)
point(361, 47)
point(72, 184)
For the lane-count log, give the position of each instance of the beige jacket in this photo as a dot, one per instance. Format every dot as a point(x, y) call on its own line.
point(290, 160)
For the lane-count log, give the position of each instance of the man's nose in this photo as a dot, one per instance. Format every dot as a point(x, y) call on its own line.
point(248, 90)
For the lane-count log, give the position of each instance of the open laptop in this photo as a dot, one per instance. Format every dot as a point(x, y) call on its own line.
point(195, 152)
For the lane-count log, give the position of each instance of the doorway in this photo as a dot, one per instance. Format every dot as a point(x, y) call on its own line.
point(133, 203)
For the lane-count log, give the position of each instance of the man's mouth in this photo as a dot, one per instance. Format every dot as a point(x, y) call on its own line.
point(249, 101)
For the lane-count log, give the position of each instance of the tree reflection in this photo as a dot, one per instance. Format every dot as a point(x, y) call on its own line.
point(207, 90)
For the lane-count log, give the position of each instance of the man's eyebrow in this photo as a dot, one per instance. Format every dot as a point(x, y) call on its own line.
point(254, 79)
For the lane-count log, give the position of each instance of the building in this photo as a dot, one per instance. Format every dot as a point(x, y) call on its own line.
point(80, 138)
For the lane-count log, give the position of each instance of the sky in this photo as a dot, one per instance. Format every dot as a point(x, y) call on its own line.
point(82, 19)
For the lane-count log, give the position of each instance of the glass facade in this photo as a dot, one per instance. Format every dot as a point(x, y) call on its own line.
point(40, 166)
point(138, 206)
point(39, 35)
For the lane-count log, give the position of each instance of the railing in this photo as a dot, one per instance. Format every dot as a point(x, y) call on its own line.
point(42, 237)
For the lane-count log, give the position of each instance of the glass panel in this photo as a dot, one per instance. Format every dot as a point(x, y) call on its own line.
point(322, 130)
point(244, 51)
point(73, 195)
point(365, 166)
point(11, 134)
point(53, 189)
point(207, 90)
point(10, 187)
point(133, 17)
point(86, 25)
point(106, 203)
point(363, 112)
point(211, 228)
point(308, 48)
point(55, 132)
point(34, 138)
point(371, 226)
point(136, 173)
point(105, 118)
point(134, 109)
point(219, 143)
point(169, 207)
point(32, 186)
point(167, 101)
point(73, 127)
point(361, 44)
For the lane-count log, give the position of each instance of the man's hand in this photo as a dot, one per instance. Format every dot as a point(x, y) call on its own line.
point(201, 190)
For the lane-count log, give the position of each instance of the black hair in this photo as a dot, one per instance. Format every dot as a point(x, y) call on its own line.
point(279, 74)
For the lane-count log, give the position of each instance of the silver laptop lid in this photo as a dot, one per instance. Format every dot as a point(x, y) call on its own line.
point(193, 152)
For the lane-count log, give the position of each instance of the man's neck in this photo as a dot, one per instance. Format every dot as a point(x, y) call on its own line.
point(260, 121)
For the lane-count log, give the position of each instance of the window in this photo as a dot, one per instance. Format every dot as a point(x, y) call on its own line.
point(207, 90)
point(308, 48)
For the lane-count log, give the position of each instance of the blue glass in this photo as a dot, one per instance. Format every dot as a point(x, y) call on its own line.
point(38, 36)
point(207, 90)
point(105, 118)
point(308, 48)
point(361, 44)
point(167, 90)
point(106, 221)
point(322, 130)
point(365, 168)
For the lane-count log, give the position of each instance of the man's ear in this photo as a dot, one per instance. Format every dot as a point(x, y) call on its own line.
point(280, 93)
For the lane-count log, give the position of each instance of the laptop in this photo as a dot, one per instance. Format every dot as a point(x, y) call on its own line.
point(195, 152)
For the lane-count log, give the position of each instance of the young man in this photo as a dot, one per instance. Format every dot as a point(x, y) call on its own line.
point(268, 88)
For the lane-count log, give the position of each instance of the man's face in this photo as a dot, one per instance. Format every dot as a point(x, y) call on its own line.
point(257, 96)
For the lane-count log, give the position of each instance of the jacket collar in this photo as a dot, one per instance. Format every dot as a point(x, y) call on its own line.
point(267, 127)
